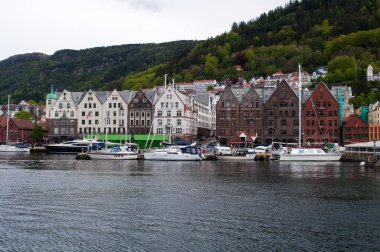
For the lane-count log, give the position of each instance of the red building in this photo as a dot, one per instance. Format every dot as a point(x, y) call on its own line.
point(321, 116)
point(355, 130)
point(19, 130)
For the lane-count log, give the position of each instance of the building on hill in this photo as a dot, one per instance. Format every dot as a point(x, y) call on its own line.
point(321, 116)
point(370, 73)
point(202, 85)
point(319, 72)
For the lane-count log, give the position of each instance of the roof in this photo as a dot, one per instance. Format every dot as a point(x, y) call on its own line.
point(203, 98)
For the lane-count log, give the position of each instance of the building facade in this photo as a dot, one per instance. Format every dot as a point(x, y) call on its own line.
point(321, 116)
point(281, 120)
point(355, 130)
point(141, 112)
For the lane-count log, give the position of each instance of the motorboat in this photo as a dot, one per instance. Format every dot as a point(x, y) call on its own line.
point(235, 154)
point(309, 154)
point(127, 151)
point(175, 153)
point(74, 146)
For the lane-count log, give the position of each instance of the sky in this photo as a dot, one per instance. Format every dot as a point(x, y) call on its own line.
point(47, 26)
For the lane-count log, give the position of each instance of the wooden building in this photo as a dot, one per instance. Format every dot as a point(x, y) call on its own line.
point(355, 130)
point(321, 116)
point(280, 122)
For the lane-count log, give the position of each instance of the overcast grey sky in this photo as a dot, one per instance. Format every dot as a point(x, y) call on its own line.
point(49, 25)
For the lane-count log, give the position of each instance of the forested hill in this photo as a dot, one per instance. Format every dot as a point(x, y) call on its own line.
point(29, 76)
point(343, 35)
point(311, 32)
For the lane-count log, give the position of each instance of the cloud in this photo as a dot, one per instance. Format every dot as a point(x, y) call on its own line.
point(149, 5)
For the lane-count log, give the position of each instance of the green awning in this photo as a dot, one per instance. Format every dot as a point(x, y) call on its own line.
point(116, 137)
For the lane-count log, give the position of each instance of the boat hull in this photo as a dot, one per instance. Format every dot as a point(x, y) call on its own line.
point(164, 156)
point(315, 158)
point(113, 156)
point(251, 157)
point(9, 148)
point(62, 149)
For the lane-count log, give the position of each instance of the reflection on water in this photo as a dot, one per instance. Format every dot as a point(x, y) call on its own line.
point(54, 202)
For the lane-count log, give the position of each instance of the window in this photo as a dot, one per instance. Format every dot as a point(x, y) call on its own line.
point(71, 113)
point(85, 105)
point(56, 113)
point(168, 113)
point(83, 113)
point(162, 104)
point(83, 122)
point(60, 105)
point(283, 122)
point(159, 121)
point(179, 113)
point(159, 113)
point(176, 104)
point(137, 114)
point(94, 105)
point(68, 106)
point(114, 122)
point(114, 113)
point(96, 113)
point(56, 131)
point(178, 122)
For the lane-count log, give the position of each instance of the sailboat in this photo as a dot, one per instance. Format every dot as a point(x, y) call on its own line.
point(174, 152)
point(306, 154)
point(7, 147)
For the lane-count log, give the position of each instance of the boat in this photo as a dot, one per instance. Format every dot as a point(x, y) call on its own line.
point(17, 147)
point(175, 153)
point(306, 154)
point(74, 146)
point(309, 154)
point(127, 151)
point(226, 153)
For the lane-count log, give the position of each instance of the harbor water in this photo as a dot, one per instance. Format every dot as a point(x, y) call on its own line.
point(57, 203)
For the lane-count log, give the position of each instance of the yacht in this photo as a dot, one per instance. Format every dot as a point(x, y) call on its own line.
point(175, 153)
point(74, 146)
point(309, 154)
point(127, 151)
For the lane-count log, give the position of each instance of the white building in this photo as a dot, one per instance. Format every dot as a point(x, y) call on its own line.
point(370, 73)
point(202, 85)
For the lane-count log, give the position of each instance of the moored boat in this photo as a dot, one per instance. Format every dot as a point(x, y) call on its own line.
point(74, 146)
point(128, 151)
point(226, 153)
point(175, 153)
point(309, 154)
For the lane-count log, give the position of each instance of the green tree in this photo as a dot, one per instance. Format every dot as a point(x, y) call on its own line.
point(37, 133)
point(342, 68)
point(26, 115)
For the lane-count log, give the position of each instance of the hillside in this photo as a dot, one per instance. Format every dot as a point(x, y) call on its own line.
point(343, 35)
point(29, 76)
point(310, 32)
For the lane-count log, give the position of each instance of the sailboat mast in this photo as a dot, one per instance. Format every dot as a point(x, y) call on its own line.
point(163, 132)
point(299, 106)
point(7, 136)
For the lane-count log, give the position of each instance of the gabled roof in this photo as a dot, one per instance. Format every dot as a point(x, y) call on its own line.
point(203, 98)
point(77, 97)
point(240, 93)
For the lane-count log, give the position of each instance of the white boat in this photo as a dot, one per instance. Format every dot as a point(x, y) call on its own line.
point(128, 151)
point(9, 147)
point(175, 153)
point(309, 154)
point(13, 148)
point(226, 153)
